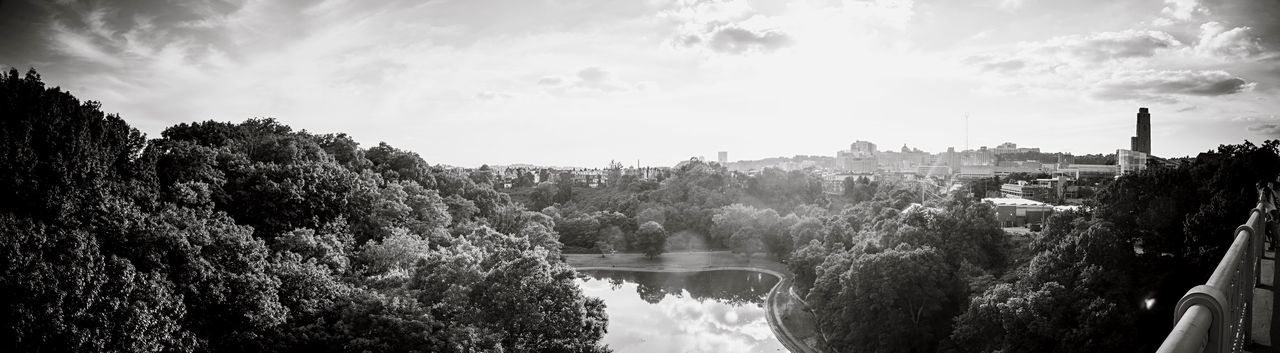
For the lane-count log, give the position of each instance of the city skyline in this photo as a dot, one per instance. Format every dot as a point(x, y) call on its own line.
point(580, 84)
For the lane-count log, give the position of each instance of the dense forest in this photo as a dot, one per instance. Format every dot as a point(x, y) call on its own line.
point(253, 237)
point(226, 237)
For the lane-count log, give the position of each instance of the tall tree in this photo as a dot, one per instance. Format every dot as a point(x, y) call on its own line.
point(651, 239)
point(901, 288)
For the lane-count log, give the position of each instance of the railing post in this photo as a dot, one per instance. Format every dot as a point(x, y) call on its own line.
point(1212, 299)
point(1217, 317)
point(1255, 267)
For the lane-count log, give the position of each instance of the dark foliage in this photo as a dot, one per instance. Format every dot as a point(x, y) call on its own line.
point(253, 237)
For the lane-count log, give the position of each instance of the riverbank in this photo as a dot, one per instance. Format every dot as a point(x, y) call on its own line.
point(794, 326)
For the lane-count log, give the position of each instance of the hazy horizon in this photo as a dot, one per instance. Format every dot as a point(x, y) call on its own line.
point(559, 83)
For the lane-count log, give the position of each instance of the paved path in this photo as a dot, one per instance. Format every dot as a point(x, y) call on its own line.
point(1266, 325)
point(708, 261)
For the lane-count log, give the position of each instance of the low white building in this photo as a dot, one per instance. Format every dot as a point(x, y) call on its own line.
point(1012, 212)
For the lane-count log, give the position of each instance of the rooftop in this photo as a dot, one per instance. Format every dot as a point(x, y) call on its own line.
point(1003, 201)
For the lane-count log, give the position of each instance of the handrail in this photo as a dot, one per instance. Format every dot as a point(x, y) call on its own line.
point(1216, 317)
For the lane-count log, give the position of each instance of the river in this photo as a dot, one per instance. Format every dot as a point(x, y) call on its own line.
point(709, 311)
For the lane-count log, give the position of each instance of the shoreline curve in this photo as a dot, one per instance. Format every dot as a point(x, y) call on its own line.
point(784, 334)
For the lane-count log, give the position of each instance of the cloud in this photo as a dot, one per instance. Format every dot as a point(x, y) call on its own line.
point(1182, 9)
point(726, 27)
point(1121, 65)
point(735, 40)
point(1102, 46)
point(1268, 125)
point(448, 64)
point(593, 79)
point(593, 75)
point(1262, 124)
point(491, 95)
point(1259, 15)
point(1162, 86)
point(83, 47)
point(1077, 50)
point(1218, 41)
point(598, 79)
point(1270, 129)
point(550, 81)
point(996, 63)
point(1007, 5)
point(732, 39)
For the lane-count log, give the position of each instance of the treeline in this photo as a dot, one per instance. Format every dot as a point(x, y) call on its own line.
point(699, 205)
point(1149, 235)
point(1097, 158)
point(253, 237)
point(942, 277)
point(773, 162)
point(885, 272)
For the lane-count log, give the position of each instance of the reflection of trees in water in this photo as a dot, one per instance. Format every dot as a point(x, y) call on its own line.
point(731, 287)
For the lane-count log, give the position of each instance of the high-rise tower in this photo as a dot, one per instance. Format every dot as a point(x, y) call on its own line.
point(1141, 142)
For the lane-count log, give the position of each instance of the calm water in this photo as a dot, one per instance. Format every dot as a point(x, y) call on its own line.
point(712, 311)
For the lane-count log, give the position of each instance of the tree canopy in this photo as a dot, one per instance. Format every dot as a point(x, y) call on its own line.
point(228, 237)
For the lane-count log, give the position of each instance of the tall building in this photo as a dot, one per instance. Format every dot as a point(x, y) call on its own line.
point(860, 158)
point(862, 148)
point(1142, 141)
point(953, 159)
point(1006, 148)
point(723, 157)
point(1010, 147)
point(983, 156)
point(1131, 161)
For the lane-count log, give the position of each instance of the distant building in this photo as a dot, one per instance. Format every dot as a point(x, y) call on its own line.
point(981, 156)
point(863, 148)
point(953, 158)
point(1022, 190)
point(834, 183)
point(970, 172)
point(722, 157)
point(1131, 161)
point(1010, 167)
point(802, 165)
point(1065, 159)
point(852, 163)
point(905, 161)
point(1141, 142)
point(1006, 148)
point(933, 171)
point(1089, 171)
point(1020, 212)
point(860, 158)
point(1060, 186)
point(1010, 147)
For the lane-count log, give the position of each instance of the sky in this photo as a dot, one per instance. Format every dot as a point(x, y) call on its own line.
point(654, 82)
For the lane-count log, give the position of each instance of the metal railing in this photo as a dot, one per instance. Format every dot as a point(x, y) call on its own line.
point(1216, 317)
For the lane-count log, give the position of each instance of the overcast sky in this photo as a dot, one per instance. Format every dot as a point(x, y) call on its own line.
point(581, 82)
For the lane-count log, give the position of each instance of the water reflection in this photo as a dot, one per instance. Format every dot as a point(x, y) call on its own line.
point(713, 311)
